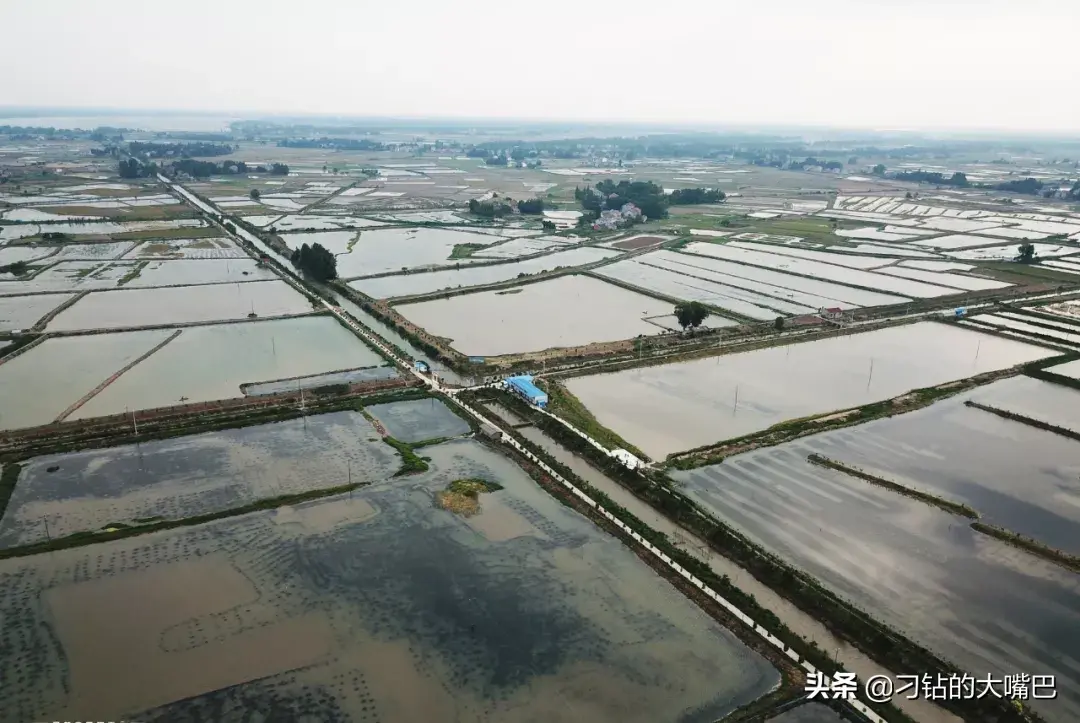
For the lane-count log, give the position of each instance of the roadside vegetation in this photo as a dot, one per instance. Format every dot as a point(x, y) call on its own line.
point(316, 262)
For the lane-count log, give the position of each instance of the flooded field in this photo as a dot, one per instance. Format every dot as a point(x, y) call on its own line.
point(1018, 477)
point(200, 271)
point(537, 316)
point(413, 284)
point(693, 285)
point(419, 420)
point(676, 407)
point(147, 307)
point(821, 270)
point(188, 248)
point(807, 292)
point(377, 606)
point(348, 376)
point(22, 312)
point(207, 363)
point(984, 605)
point(187, 476)
point(39, 384)
point(380, 251)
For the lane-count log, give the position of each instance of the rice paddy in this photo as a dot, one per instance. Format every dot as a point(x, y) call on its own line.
point(676, 407)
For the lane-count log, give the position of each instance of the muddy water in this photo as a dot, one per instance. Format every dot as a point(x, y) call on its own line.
point(387, 334)
point(146, 307)
point(62, 494)
point(419, 420)
point(809, 713)
point(39, 384)
point(676, 407)
point(390, 611)
point(490, 323)
point(207, 363)
point(977, 602)
point(22, 312)
point(798, 621)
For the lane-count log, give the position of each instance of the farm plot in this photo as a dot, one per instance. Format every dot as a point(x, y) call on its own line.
point(898, 559)
point(37, 385)
point(316, 222)
point(22, 312)
point(93, 252)
point(516, 248)
point(824, 271)
point(679, 285)
point(314, 381)
point(1015, 476)
point(956, 241)
point(1068, 268)
point(208, 363)
point(171, 479)
point(415, 284)
point(956, 281)
point(1072, 338)
point(936, 265)
point(148, 307)
point(70, 276)
point(419, 420)
point(995, 253)
point(675, 407)
point(200, 271)
point(188, 248)
point(810, 292)
point(14, 254)
point(380, 251)
point(855, 262)
point(539, 316)
point(352, 608)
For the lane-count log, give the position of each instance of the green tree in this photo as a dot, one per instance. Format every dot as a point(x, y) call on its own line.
point(531, 205)
point(878, 170)
point(254, 194)
point(691, 314)
point(779, 323)
point(315, 261)
point(1026, 253)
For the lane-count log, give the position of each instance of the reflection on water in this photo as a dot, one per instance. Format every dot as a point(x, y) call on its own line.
point(378, 607)
point(680, 406)
point(983, 605)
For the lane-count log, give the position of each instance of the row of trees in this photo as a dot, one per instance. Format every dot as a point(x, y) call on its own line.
point(689, 196)
point(179, 150)
point(204, 169)
point(496, 207)
point(315, 261)
point(339, 144)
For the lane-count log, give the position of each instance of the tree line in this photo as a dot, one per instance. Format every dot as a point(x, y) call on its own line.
point(205, 169)
point(178, 150)
point(340, 144)
point(497, 207)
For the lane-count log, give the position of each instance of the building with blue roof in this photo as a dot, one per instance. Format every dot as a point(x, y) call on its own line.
point(524, 387)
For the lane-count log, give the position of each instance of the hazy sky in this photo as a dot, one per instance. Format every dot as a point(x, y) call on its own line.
point(1008, 64)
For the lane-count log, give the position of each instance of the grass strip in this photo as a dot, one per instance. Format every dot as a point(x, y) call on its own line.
point(1064, 559)
point(565, 405)
point(118, 531)
point(947, 505)
point(793, 429)
point(410, 462)
point(1030, 421)
point(8, 477)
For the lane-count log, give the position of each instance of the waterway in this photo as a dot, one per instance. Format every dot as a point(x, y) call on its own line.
point(798, 621)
